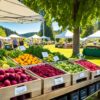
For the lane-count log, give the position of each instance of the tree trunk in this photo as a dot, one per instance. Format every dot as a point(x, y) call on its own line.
point(76, 41)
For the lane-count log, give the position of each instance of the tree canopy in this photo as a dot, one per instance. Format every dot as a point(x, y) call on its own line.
point(6, 32)
point(2, 32)
point(72, 13)
point(69, 13)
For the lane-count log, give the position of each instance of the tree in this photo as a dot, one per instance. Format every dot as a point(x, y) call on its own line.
point(48, 30)
point(98, 25)
point(2, 32)
point(88, 31)
point(6, 32)
point(47, 27)
point(71, 13)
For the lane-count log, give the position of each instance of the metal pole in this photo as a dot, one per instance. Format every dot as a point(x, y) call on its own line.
point(43, 28)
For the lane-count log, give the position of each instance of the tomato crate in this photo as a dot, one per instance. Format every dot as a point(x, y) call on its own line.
point(91, 67)
point(54, 82)
point(29, 89)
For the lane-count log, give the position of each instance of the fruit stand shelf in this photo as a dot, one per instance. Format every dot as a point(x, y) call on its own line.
point(65, 90)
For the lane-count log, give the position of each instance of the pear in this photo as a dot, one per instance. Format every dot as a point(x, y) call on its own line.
point(5, 66)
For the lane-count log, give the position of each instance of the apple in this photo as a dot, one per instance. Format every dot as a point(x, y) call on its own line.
point(7, 82)
point(2, 72)
point(1, 77)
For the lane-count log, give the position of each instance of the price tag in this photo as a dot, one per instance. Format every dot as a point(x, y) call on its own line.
point(22, 48)
point(56, 58)
point(82, 75)
point(20, 90)
point(44, 54)
point(58, 81)
point(98, 72)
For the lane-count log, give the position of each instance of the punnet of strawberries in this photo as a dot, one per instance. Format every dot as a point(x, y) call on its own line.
point(46, 70)
point(88, 65)
point(13, 76)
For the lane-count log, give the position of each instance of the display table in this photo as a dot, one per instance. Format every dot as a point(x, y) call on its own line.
point(63, 91)
point(92, 51)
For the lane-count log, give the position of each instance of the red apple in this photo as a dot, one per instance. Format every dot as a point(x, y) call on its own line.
point(1, 77)
point(11, 70)
point(7, 83)
point(13, 82)
point(2, 72)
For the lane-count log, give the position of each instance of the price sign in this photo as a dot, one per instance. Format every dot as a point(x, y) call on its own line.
point(20, 90)
point(58, 81)
point(82, 75)
point(22, 48)
point(44, 54)
point(56, 58)
point(98, 72)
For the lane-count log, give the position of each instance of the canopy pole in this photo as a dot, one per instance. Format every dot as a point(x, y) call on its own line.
point(43, 28)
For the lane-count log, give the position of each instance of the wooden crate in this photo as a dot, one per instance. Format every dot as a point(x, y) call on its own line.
point(34, 87)
point(80, 77)
point(93, 74)
point(50, 84)
point(53, 83)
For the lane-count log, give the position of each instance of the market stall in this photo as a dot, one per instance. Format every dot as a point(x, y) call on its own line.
point(94, 49)
point(92, 40)
point(36, 39)
point(14, 11)
point(64, 35)
point(14, 36)
point(55, 75)
point(94, 35)
point(45, 37)
point(37, 73)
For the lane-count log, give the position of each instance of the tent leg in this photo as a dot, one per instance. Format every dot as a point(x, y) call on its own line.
point(43, 30)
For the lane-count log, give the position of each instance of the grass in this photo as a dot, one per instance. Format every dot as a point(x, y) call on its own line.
point(68, 53)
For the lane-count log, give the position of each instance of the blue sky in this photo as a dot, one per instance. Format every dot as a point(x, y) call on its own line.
point(26, 27)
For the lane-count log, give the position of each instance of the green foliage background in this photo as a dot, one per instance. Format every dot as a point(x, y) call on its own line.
point(2, 32)
point(6, 32)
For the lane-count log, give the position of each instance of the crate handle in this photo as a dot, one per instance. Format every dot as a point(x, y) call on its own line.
point(82, 79)
point(58, 86)
point(21, 86)
point(96, 76)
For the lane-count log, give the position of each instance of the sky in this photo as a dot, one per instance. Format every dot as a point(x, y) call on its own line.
point(26, 27)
